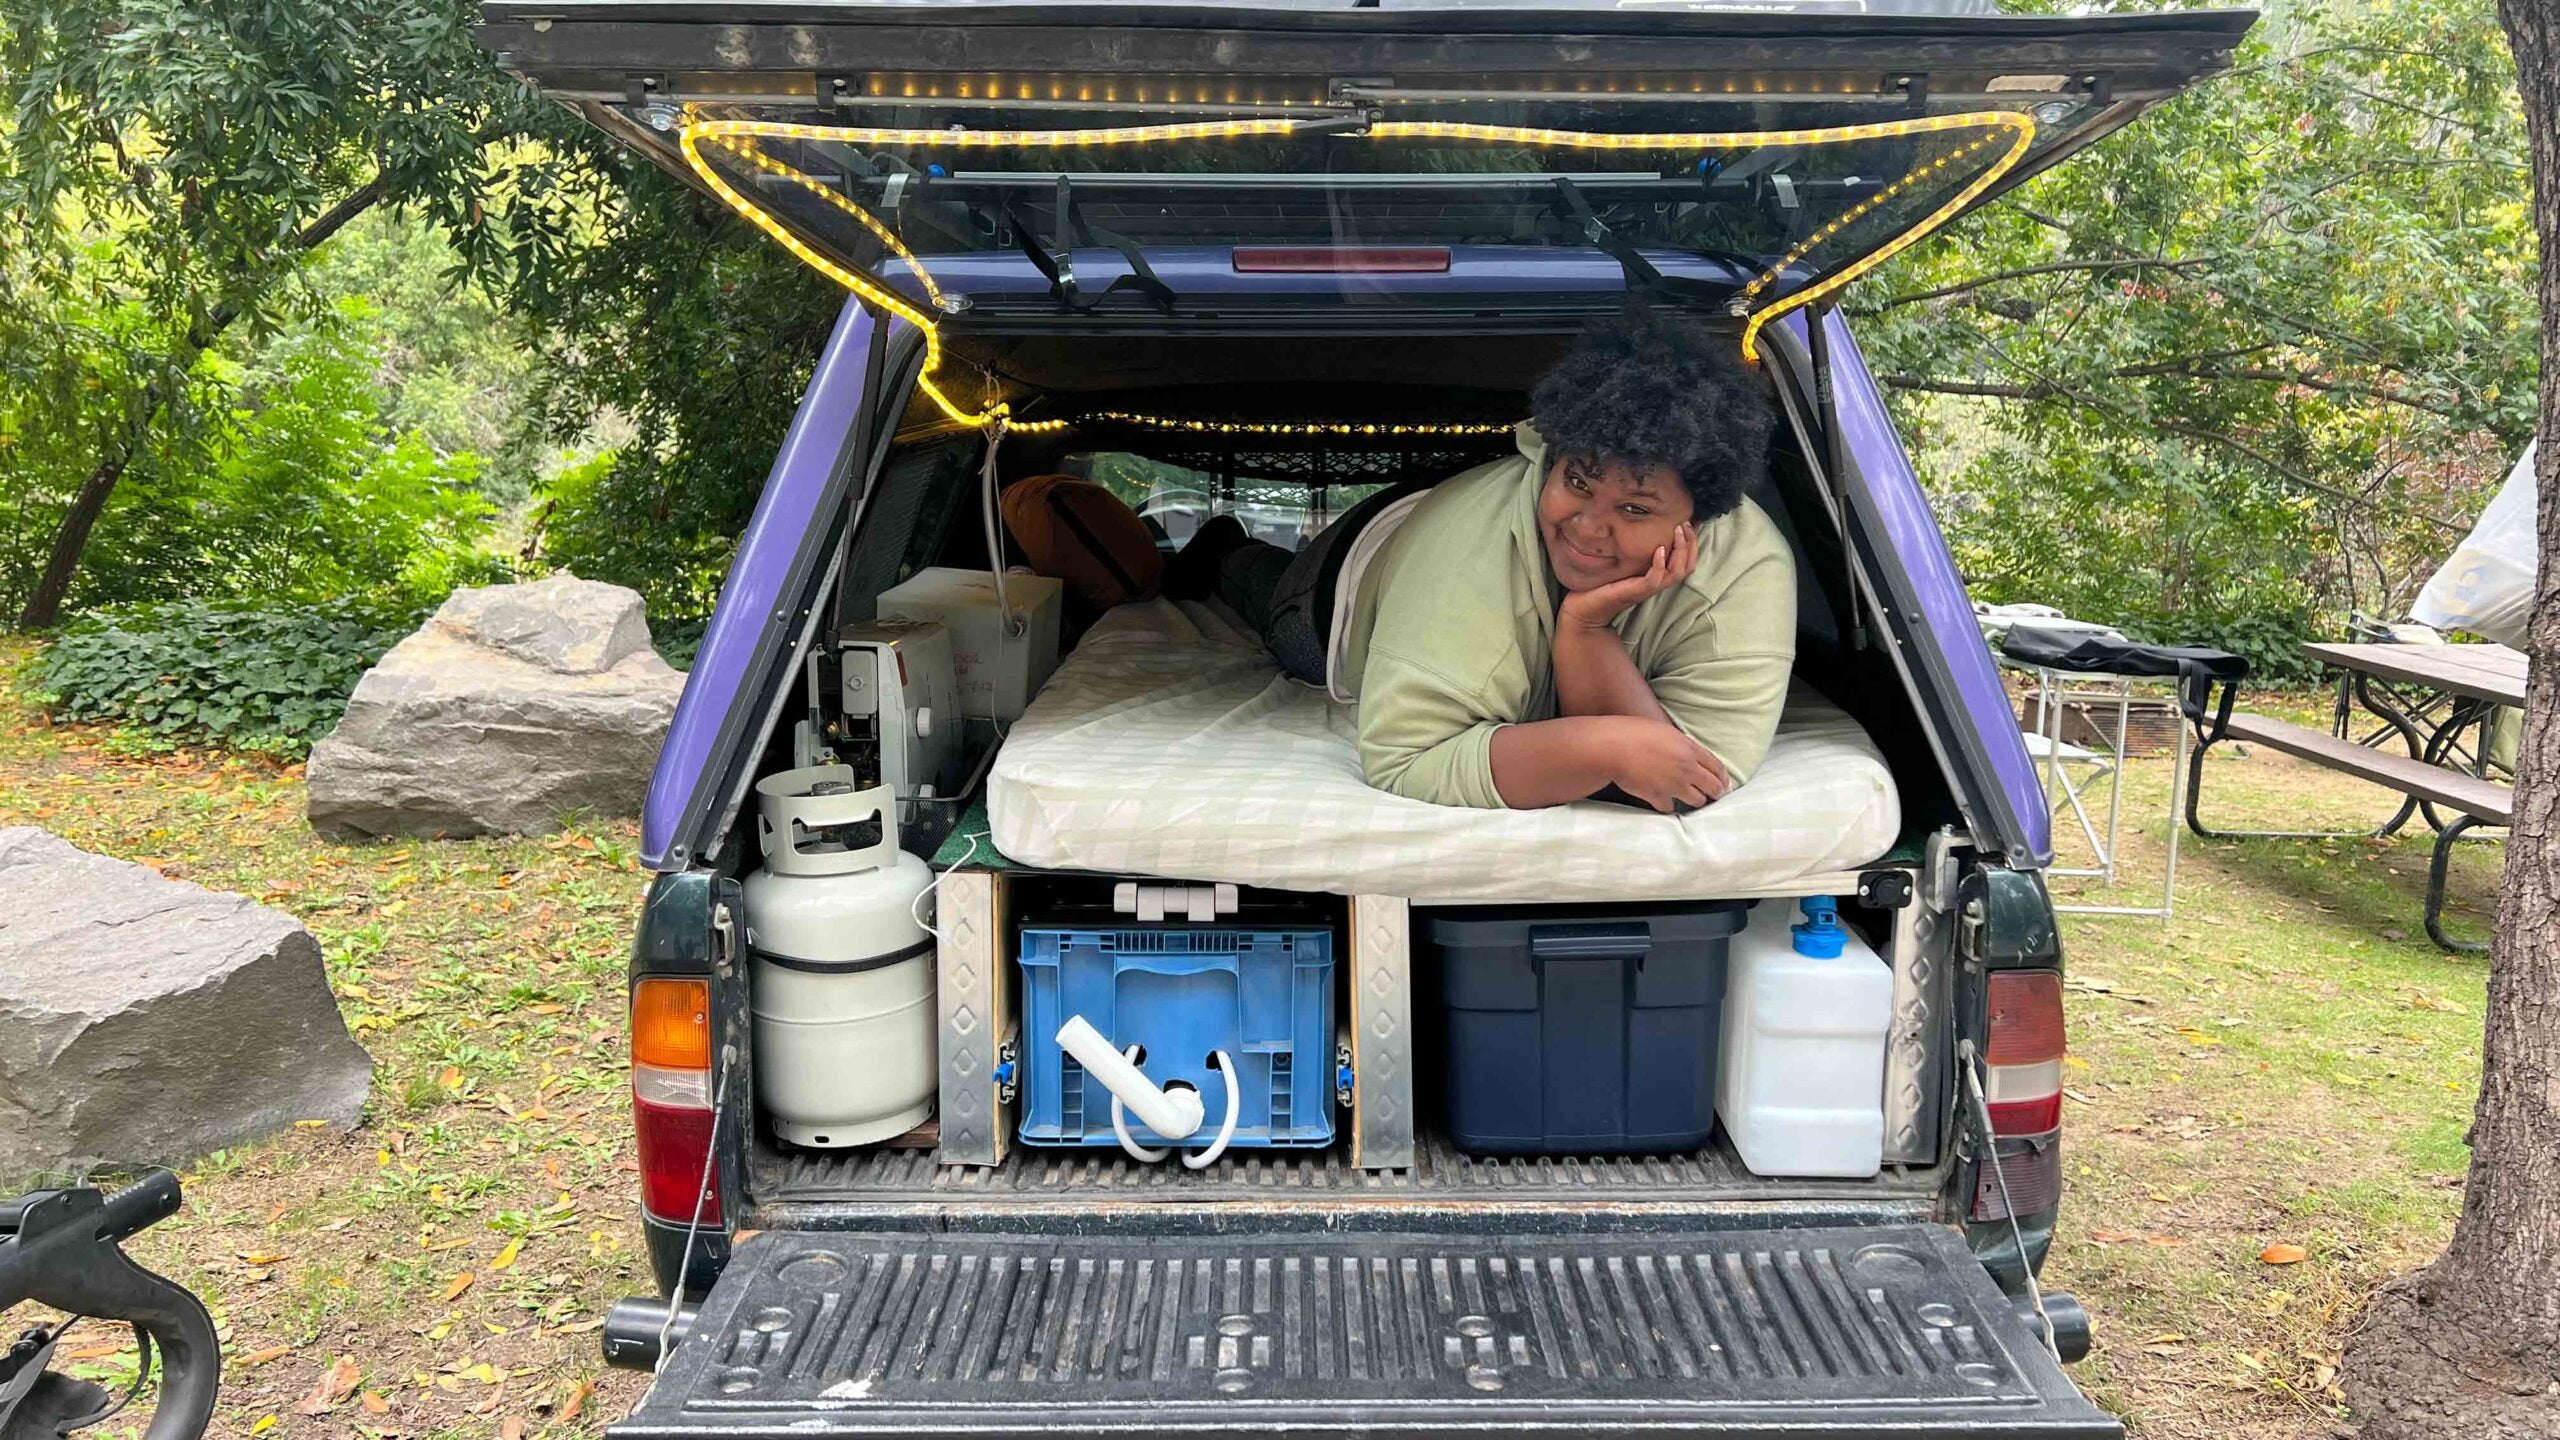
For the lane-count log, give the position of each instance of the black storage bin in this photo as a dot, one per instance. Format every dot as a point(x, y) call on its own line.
point(1582, 1029)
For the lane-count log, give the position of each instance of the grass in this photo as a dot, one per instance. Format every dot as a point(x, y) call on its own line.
point(2288, 1062)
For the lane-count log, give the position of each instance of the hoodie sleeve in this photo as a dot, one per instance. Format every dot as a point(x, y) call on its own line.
point(1425, 735)
point(1723, 679)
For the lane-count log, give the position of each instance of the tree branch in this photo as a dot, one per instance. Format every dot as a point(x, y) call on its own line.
point(2056, 267)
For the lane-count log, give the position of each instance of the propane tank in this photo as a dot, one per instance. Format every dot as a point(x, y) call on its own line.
point(841, 975)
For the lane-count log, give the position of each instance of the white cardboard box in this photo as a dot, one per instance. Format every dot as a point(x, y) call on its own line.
point(998, 673)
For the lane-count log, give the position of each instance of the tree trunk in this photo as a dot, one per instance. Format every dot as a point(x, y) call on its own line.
point(2470, 1346)
point(71, 537)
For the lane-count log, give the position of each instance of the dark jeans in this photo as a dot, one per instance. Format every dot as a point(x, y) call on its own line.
point(1287, 598)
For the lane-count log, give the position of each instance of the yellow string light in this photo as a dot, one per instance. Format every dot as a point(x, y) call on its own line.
point(2022, 134)
point(1329, 428)
point(738, 137)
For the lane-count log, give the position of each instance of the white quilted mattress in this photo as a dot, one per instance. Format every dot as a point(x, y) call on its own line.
point(1169, 744)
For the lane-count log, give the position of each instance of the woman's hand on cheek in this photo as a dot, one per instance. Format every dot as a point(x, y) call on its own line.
point(1672, 564)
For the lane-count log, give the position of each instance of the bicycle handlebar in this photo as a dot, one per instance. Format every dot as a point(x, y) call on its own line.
point(64, 1254)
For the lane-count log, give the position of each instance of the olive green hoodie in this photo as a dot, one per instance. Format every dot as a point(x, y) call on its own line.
point(1452, 635)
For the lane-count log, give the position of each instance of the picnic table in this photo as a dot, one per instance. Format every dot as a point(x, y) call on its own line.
point(2427, 698)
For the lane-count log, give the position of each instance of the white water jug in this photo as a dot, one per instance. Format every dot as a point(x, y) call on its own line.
point(1806, 1007)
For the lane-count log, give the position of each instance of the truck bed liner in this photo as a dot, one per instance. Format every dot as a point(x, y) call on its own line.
point(806, 1178)
point(1891, 1329)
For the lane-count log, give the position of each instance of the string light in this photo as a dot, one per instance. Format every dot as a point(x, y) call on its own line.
point(1328, 428)
point(738, 137)
point(2022, 133)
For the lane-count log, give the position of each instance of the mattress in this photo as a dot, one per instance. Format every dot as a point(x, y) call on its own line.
point(1168, 744)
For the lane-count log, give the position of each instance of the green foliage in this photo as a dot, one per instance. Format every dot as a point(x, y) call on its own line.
point(452, 365)
point(2253, 362)
point(286, 485)
point(254, 677)
point(699, 335)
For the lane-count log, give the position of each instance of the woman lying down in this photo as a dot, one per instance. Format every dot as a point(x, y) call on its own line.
point(1604, 614)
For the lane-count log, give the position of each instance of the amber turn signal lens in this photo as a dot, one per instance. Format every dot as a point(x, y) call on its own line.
point(671, 1024)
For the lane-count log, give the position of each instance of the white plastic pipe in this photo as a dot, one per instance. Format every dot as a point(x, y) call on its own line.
point(1175, 1116)
point(1203, 1159)
point(1120, 1125)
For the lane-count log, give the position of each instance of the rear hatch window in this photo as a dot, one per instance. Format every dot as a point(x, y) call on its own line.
point(1749, 159)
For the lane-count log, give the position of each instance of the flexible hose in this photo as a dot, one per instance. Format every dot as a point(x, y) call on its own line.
point(1120, 1123)
point(1202, 1160)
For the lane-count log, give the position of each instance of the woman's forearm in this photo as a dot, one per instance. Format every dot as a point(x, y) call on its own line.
point(1556, 762)
point(1596, 676)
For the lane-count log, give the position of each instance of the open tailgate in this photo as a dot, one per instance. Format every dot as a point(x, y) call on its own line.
point(1872, 1330)
point(1804, 142)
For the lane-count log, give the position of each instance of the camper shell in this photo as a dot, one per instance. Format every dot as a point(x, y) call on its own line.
point(1306, 278)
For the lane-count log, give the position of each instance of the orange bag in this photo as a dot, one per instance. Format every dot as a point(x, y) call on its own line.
point(1078, 532)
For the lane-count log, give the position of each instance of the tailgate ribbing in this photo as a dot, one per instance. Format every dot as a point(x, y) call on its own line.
point(1724, 1333)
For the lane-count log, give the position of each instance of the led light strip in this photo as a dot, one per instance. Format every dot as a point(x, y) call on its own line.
point(1306, 427)
point(738, 137)
point(2022, 130)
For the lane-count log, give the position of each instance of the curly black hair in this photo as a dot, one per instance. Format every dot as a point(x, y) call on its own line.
point(1642, 387)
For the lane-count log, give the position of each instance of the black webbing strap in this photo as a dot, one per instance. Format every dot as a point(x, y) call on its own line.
point(1642, 275)
point(1058, 265)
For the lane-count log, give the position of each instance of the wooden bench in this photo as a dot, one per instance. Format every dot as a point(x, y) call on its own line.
point(2481, 802)
point(2485, 800)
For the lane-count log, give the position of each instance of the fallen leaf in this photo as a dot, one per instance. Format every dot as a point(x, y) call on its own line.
point(484, 1372)
point(2283, 1253)
point(98, 1351)
point(375, 1402)
point(2113, 1237)
point(332, 1388)
point(265, 1424)
point(272, 1352)
point(450, 1077)
point(460, 1283)
point(507, 1257)
point(455, 1243)
point(278, 1213)
point(263, 1257)
point(2171, 1338)
point(2201, 1037)
point(2163, 1241)
point(577, 1401)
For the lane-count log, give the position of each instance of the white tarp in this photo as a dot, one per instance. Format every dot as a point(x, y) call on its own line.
point(2486, 585)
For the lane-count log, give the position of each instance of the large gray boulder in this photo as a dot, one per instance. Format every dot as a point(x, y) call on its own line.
point(147, 1021)
point(512, 707)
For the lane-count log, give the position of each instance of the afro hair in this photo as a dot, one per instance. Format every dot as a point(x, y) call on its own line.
point(1642, 388)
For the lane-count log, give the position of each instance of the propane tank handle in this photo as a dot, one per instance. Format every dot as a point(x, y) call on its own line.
point(1175, 1115)
point(787, 809)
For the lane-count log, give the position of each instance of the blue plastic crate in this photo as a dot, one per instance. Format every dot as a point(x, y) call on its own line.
point(1263, 996)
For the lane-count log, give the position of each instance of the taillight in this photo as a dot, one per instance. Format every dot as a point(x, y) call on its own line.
point(671, 1097)
point(2022, 1080)
point(1342, 259)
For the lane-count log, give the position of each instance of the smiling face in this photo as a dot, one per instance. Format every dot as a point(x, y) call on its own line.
point(1603, 519)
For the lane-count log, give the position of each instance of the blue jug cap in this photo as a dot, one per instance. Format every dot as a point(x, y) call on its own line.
point(1820, 936)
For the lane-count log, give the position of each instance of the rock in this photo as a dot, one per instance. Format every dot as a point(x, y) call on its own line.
point(514, 706)
point(147, 1021)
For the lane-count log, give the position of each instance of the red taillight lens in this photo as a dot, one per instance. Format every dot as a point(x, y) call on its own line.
point(673, 1139)
point(671, 1096)
point(1342, 260)
point(2026, 1018)
point(2022, 1080)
